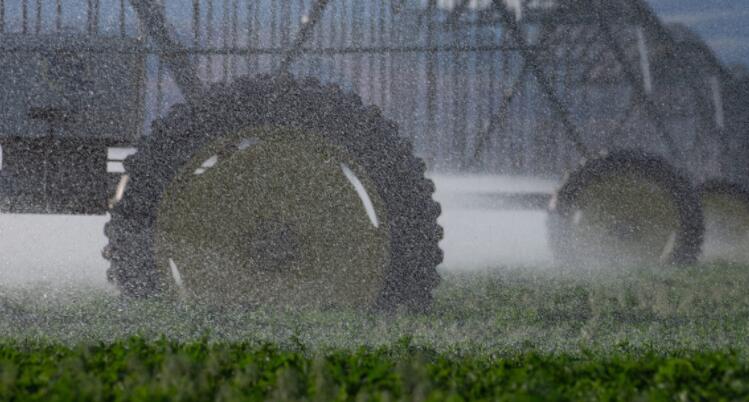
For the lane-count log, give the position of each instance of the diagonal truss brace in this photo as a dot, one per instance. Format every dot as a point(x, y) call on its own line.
point(534, 63)
point(177, 58)
point(151, 15)
point(638, 90)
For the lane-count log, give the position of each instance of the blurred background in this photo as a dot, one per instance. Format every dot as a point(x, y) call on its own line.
point(667, 76)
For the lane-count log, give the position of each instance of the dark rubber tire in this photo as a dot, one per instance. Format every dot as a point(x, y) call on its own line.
point(725, 188)
point(341, 119)
point(721, 188)
point(688, 239)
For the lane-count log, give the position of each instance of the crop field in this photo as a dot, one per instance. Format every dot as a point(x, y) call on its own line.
point(513, 333)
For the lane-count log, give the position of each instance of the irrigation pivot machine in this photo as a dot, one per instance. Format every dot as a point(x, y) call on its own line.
point(264, 187)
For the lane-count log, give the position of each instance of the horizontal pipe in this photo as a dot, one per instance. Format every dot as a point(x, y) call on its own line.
point(273, 51)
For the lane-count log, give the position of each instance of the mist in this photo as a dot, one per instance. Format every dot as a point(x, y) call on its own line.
point(53, 250)
point(480, 235)
point(66, 250)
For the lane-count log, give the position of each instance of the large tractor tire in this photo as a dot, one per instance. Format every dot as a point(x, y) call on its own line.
point(273, 191)
point(626, 208)
point(726, 209)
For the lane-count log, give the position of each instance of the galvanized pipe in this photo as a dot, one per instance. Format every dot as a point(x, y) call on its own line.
point(296, 48)
point(25, 16)
point(531, 58)
point(38, 26)
point(2, 16)
point(176, 58)
point(639, 91)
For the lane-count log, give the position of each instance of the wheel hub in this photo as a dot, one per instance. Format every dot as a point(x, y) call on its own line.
point(275, 216)
point(273, 246)
point(625, 219)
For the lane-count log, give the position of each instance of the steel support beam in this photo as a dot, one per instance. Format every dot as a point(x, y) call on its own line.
point(174, 55)
point(308, 26)
point(656, 116)
point(530, 57)
point(498, 118)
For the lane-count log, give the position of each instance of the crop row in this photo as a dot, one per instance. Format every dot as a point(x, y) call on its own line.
point(161, 370)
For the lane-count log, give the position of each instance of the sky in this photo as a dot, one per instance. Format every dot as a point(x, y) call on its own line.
point(723, 24)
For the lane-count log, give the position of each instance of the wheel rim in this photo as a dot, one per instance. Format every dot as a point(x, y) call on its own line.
point(623, 220)
point(273, 216)
point(726, 227)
